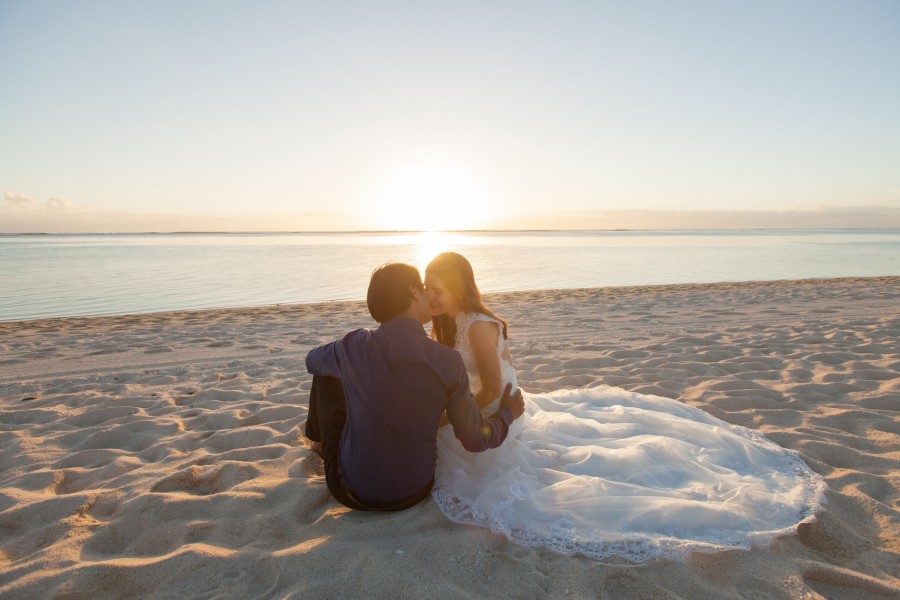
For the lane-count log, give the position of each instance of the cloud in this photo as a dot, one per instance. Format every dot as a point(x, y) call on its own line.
point(59, 204)
point(82, 219)
point(15, 201)
point(18, 200)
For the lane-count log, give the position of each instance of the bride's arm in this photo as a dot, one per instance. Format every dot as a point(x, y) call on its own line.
point(483, 337)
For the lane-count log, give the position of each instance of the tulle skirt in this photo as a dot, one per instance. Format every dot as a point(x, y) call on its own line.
point(609, 473)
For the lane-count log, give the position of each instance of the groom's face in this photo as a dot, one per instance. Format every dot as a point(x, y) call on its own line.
point(420, 304)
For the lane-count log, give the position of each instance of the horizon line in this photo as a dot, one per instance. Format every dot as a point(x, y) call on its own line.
point(410, 231)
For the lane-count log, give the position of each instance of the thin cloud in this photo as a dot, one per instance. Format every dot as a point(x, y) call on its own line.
point(18, 200)
point(59, 204)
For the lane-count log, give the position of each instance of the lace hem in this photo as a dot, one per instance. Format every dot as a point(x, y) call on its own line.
point(561, 535)
point(636, 548)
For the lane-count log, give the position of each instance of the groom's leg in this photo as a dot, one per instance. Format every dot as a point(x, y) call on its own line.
point(325, 423)
point(327, 416)
point(311, 429)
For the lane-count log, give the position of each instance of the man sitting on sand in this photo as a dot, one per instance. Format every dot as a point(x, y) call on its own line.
point(378, 395)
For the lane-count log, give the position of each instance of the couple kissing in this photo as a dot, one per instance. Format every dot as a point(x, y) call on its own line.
point(398, 415)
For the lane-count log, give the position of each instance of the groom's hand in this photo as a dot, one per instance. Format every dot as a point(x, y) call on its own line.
point(514, 402)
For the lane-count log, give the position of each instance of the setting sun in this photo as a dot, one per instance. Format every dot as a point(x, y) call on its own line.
point(430, 196)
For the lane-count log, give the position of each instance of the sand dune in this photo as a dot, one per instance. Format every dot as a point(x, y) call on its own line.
point(158, 455)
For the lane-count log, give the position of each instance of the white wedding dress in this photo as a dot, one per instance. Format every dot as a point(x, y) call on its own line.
point(609, 473)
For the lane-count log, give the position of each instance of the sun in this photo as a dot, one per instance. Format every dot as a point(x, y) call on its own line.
point(430, 196)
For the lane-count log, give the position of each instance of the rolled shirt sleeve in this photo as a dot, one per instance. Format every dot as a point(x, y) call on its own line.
point(323, 361)
point(474, 432)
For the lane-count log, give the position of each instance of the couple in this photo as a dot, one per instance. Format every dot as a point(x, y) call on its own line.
point(603, 472)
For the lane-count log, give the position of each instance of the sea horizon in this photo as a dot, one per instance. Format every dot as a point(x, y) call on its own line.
point(87, 274)
point(461, 231)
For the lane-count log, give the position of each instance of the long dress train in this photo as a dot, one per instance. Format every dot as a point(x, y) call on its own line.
point(609, 473)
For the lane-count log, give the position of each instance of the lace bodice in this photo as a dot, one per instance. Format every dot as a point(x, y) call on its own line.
point(464, 322)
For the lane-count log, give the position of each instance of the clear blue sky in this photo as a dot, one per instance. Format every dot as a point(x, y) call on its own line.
point(308, 115)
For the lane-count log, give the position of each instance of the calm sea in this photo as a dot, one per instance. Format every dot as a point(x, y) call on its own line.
point(68, 275)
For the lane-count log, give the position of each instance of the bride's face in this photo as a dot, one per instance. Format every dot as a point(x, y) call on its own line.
point(441, 300)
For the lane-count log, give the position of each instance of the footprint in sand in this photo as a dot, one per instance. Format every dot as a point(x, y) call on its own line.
point(23, 417)
point(247, 437)
point(201, 481)
point(160, 350)
point(310, 466)
point(251, 455)
point(102, 351)
point(97, 416)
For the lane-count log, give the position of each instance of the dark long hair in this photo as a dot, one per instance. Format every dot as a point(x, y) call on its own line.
point(456, 273)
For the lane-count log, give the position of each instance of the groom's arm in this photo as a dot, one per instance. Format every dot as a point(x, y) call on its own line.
point(475, 433)
point(323, 361)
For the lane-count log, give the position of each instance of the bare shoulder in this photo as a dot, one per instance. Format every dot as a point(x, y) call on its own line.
point(484, 332)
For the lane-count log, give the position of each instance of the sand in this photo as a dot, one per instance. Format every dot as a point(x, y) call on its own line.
point(158, 456)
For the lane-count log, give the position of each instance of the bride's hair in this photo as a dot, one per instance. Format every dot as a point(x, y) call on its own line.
point(456, 273)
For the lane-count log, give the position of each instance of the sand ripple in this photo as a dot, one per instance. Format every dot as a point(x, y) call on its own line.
point(159, 456)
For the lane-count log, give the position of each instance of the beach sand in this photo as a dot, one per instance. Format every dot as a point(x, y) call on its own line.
point(158, 455)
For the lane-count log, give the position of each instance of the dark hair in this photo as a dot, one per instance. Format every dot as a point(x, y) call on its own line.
point(389, 290)
point(456, 273)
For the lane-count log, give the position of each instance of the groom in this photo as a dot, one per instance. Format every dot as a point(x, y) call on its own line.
point(377, 397)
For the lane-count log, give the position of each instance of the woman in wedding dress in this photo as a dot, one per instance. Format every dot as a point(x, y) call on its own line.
point(602, 471)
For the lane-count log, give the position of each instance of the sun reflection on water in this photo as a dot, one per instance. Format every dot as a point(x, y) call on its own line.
point(429, 244)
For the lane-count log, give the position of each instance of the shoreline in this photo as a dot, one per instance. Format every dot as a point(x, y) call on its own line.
point(154, 454)
point(656, 287)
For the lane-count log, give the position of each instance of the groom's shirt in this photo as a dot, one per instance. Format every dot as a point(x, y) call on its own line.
point(397, 383)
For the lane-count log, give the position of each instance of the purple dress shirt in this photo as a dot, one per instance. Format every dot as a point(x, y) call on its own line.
point(397, 384)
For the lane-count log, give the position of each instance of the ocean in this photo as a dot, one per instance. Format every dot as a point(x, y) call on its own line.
point(44, 276)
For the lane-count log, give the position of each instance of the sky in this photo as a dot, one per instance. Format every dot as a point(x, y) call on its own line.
point(296, 116)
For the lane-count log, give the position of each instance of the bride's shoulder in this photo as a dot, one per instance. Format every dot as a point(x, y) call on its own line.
point(468, 319)
point(477, 322)
point(479, 316)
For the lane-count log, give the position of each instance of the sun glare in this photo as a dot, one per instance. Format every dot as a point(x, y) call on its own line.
point(431, 243)
point(430, 196)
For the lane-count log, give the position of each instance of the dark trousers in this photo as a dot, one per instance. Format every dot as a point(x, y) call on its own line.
point(325, 423)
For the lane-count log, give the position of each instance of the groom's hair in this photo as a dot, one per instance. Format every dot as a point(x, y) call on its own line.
point(389, 290)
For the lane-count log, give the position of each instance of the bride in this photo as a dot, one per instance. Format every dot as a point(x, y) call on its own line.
point(604, 472)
